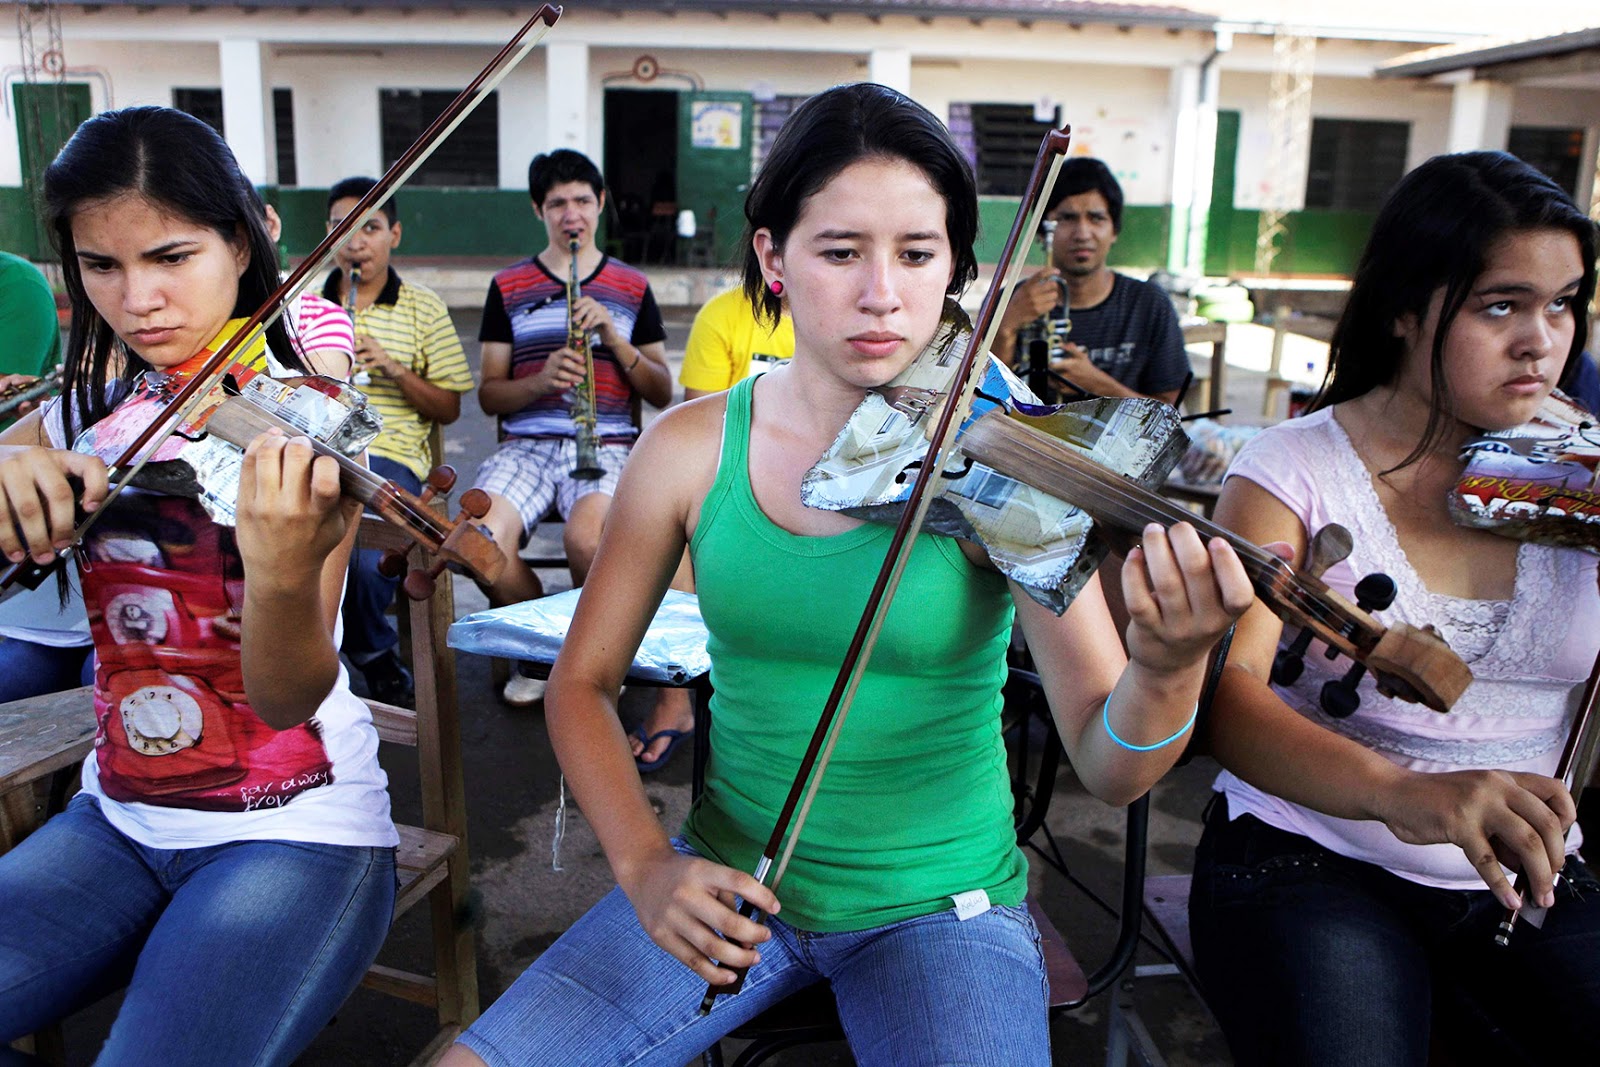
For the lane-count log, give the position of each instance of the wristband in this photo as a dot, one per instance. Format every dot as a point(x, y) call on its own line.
point(1105, 718)
point(634, 364)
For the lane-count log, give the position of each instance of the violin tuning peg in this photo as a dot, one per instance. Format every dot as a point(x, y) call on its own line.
point(1286, 667)
point(392, 564)
point(1290, 661)
point(475, 502)
point(1375, 592)
point(1339, 698)
point(419, 585)
point(442, 478)
point(1330, 545)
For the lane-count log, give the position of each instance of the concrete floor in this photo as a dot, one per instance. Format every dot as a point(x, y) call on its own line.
point(522, 905)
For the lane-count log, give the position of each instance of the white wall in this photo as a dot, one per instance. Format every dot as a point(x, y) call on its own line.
point(1119, 114)
point(1426, 107)
point(336, 104)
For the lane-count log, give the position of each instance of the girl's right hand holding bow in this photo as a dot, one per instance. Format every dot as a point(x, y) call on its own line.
point(1499, 819)
point(42, 500)
point(687, 905)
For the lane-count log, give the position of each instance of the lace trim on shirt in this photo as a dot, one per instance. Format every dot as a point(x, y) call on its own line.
point(1498, 638)
point(1461, 752)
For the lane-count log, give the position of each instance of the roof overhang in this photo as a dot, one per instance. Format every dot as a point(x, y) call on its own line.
point(1574, 52)
point(1068, 11)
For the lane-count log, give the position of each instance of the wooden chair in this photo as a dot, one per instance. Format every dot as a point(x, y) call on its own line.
point(44, 738)
point(432, 861)
point(810, 1016)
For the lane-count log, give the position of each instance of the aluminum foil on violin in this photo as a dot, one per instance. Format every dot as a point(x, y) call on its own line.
point(194, 463)
point(1046, 545)
point(1535, 482)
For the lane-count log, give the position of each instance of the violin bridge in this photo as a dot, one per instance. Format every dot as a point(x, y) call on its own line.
point(915, 403)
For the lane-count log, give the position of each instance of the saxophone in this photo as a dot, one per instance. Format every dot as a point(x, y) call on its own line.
point(586, 466)
point(1045, 338)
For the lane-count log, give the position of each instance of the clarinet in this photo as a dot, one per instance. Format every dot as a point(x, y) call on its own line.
point(586, 465)
point(14, 396)
point(1045, 338)
point(360, 376)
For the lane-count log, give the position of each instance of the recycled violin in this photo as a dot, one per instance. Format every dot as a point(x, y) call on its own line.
point(1061, 451)
point(1410, 663)
point(202, 389)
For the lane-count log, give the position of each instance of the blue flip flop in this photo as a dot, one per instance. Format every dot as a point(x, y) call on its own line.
point(675, 738)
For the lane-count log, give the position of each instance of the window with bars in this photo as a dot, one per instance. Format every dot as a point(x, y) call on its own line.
point(1354, 162)
point(469, 156)
point(1006, 138)
point(203, 104)
point(283, 135)
point(1554, 152)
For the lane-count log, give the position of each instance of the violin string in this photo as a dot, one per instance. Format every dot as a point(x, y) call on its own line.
point(1131, 510)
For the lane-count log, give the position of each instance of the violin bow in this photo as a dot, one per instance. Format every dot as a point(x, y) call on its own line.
point(941, 448)
point(1572, 770)
point(224, 359)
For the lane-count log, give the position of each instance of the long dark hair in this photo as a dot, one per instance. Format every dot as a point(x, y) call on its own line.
point(834, 129)
point(178, 162)
point(1434, 233)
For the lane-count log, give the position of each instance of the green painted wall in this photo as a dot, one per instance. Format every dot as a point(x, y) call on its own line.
point(1317, 242)
point(499, 224)
point(16, 224)
point(1142, 243)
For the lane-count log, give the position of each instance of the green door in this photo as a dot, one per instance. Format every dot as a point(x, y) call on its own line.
point(1219, 223)
point(714, 146)
point(46, 116)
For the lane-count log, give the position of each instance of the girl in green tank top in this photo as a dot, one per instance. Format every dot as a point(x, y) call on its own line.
point(862, 224)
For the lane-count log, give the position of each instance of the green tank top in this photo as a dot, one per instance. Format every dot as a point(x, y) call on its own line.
point(916, 803)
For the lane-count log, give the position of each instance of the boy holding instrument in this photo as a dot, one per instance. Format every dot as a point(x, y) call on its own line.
point(530, 371)
point(416, 373)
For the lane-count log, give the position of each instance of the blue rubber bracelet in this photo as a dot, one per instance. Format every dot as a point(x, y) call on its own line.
point(1105, 717)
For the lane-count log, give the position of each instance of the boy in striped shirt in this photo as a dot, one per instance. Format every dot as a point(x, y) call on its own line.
point(408, 346)
point(529, 372)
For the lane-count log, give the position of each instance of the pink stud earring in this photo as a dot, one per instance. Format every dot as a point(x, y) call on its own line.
point(776, 287)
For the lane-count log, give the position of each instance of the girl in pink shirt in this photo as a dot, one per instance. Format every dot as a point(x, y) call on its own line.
point(1353, 870)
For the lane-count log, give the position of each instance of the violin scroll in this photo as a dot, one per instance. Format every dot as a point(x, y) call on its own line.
point(460, 547)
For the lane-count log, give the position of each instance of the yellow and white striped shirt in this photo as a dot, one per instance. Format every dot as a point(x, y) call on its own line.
point(413, 326)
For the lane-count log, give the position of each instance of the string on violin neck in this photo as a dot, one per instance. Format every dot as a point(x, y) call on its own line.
point(375, 484)
point(1118, 502)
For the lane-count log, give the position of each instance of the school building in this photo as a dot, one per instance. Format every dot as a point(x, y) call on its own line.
point(1249, 135)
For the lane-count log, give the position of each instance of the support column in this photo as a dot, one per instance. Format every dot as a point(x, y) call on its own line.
point(1480, 116)
point(566, 93)
point(891, 67)
point(1205, 158)
point(1185, 104)
point(247, 107)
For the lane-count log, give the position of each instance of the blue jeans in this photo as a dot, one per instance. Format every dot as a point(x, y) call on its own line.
point(368, 594)
point(930, 990)
point(1310, 958)
point(235, 954)
point(28, 669)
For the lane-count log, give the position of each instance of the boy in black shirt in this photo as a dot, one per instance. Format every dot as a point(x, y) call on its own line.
point(1124, 339)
